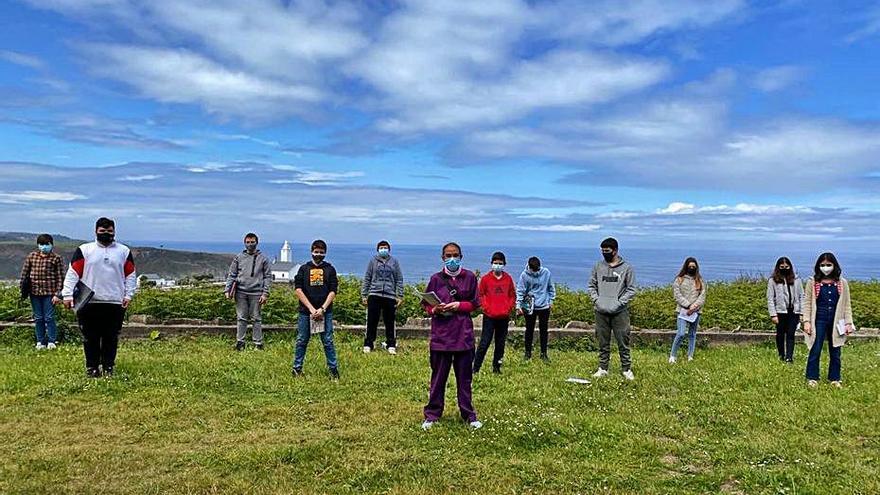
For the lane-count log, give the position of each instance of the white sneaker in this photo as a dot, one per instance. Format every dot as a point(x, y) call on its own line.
point(671, 359)
point(476, 425)
point(690, 358)
point(427, 425)
point(812, 383)
point(40, 347)
point(51, 346)
point(392, 351)
point(367, 350)
point(628, 374)
point(384, 345)
point(837, 384)
point(600, 373)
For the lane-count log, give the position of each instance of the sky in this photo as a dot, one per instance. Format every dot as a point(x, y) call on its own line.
point(499, 121)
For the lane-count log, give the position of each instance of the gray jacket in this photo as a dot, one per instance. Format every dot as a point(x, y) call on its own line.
point(779, 296)
point(251, 272)
point(685, 291)
point(612, 287)
point(383, 278)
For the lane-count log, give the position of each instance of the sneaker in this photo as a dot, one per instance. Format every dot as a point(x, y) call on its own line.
point(384, 345)
point(671, 359)
point(690, 358)
point(837, 384)
point(527, 356)
point(239, 345)
point(334, 374)
point(628, 374)
point(93, 372)
point(789, 361)
point(427, 424)
point(496, 369)
point(40, 347)
point(259, 346)
point(108, 371)
point(297, 372)
point(367, 350)
point(545, 358)
point(392, 351)
point(812, 383)
point(51, 346)
point(476, 424)
point(600, 373)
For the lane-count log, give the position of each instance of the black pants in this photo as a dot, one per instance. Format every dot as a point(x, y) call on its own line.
point(493, 328)
point(543, 318)
point(100, 324)
point(388, 309)
point(785, 335)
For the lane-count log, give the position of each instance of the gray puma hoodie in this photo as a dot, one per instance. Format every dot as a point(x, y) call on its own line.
point(612, 287)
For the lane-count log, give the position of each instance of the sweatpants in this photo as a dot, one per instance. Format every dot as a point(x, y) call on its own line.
point(247, 308)
point(493, 329)
point(618, 325)
point(387, 309)
point(441, 363)
point(100, 324)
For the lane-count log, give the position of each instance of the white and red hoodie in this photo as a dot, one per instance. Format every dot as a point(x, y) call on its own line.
point(107, 270)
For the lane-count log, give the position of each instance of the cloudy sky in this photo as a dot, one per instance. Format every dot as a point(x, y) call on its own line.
point(536, 122)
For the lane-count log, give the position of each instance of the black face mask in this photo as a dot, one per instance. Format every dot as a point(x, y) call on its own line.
point(250, 247)
point(105, 238)
point(318, 259)
point(608, 256)
point(785, 270)
point(691, 271)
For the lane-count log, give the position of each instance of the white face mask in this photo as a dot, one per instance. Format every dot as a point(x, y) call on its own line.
point(826, 269)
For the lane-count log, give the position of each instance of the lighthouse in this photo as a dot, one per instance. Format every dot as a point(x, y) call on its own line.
point(285, 253)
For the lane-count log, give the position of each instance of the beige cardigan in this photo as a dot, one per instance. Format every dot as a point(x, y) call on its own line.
point(843, 312)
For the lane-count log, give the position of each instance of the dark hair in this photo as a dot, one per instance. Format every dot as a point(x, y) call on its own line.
point(251, 235)
point(834, 275)
point(442, 250)
point(534, 263)
point(698, 279)
point(45, 239)
point(610, 243)
point(318, 243)
point(383, 243)
point(499, 256)
point(778, 276)
point(105, 222)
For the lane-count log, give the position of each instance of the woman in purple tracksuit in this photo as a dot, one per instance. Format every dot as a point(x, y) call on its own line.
point(452, 335)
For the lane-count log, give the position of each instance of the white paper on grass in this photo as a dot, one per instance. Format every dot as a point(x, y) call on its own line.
point(581, 381)
point(683, 314)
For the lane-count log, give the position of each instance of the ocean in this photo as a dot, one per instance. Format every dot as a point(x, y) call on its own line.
point(571, 266)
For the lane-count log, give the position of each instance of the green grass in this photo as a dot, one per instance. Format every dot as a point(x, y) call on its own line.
point(191, 416)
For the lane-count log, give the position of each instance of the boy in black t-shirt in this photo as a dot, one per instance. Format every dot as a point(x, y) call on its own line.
point(316, 286)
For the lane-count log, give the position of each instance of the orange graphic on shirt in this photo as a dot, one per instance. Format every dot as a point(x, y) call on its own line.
point(316, 277)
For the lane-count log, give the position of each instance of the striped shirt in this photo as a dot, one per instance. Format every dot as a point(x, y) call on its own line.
point(45, 271)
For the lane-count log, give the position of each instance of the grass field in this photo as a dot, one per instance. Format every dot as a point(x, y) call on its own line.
point(191, 416)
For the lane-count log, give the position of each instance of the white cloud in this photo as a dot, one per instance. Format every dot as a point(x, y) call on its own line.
point(22, 59)
point(870, 25)
point(139, 178)
point(31, 196)
point(778, 78)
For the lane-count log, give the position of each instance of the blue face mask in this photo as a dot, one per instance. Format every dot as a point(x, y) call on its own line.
point(452, 264)
point(384, 252)
point(45, 248)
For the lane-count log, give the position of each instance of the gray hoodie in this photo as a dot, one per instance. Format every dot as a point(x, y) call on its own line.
point(252, 272)
point(612, 287)
point(383, 278)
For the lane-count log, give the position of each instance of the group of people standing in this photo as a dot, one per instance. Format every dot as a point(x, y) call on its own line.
point(106, 269)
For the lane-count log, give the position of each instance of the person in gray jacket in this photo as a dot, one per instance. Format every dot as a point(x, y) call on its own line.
point(612, 287)
point(382, 293)
point(785, 302)
point(248, 281)
point(689, 291)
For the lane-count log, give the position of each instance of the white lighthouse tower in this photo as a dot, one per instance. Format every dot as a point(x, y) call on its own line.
point(285, 253)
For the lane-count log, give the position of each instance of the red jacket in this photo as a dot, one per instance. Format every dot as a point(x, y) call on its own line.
point(497, 296)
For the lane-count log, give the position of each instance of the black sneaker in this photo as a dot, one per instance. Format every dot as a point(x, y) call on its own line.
point(108, 371)
point(334, 374)
point(297, 372)
point(545, 358)
point(259, 346)
point(528, 356)
point(93, 373)
point(239, 345)
point(496, 369)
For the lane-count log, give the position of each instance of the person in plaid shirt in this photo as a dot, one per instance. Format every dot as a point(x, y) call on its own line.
point(42, 277)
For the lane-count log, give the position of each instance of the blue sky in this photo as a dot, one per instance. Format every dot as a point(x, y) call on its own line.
point(539, 122)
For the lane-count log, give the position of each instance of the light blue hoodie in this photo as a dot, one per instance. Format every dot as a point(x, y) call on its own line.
point(536, 285)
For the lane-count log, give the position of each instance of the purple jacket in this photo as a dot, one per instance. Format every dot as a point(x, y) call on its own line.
point(454, 332)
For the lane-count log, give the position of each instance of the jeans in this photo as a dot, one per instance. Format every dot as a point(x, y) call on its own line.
point(388, 309)
point(542, 316)
point(44, 319)
point(493, 328)
point(785, 331)
point(303, 335)
point(685, 327)
point(247, 307)
point(618, 326)
point(824, 332)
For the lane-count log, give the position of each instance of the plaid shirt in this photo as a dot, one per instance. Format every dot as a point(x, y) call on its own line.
point(46, 273)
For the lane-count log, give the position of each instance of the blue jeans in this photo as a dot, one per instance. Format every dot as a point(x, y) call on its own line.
point(691, 330)
point(303, 335)
point(824, 332)
point(44, 319)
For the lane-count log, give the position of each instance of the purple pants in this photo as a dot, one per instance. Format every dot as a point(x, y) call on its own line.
point(441, 362)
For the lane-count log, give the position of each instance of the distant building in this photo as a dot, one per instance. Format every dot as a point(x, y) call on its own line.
point(283, 269)
point(155, 280)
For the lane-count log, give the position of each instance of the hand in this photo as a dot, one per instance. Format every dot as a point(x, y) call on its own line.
point(263, 299)
point(694, 307)
point(438, 309)
point(125, 303)
point(364, 301)
point(849, 328)
point(399, 302)
point(55, 300)
point(808, 328)
point(453, 306)
point(317, 314)
point(775, 320)
point(519, 312)
point(228, 295)
point(68, 303)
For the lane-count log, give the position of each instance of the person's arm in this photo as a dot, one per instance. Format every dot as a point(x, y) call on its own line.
point(511, 294)
point(398, 280)
point(629, 290)
point(130, 279)
point(806, 318)
point(368, 280)
point(593, 285)
point(58, 278)
point(25, 274)
point(551, 289)
point(232, 275)
point(432, 287)
point(847, 308)
point(799, 295)
point(483, 287)
point(299, 284)
point(520, 290)
point(74, 273)
point(333, 285)
point(771, 297)
point(678, 295)
point(473, 304)
point(701, 299)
